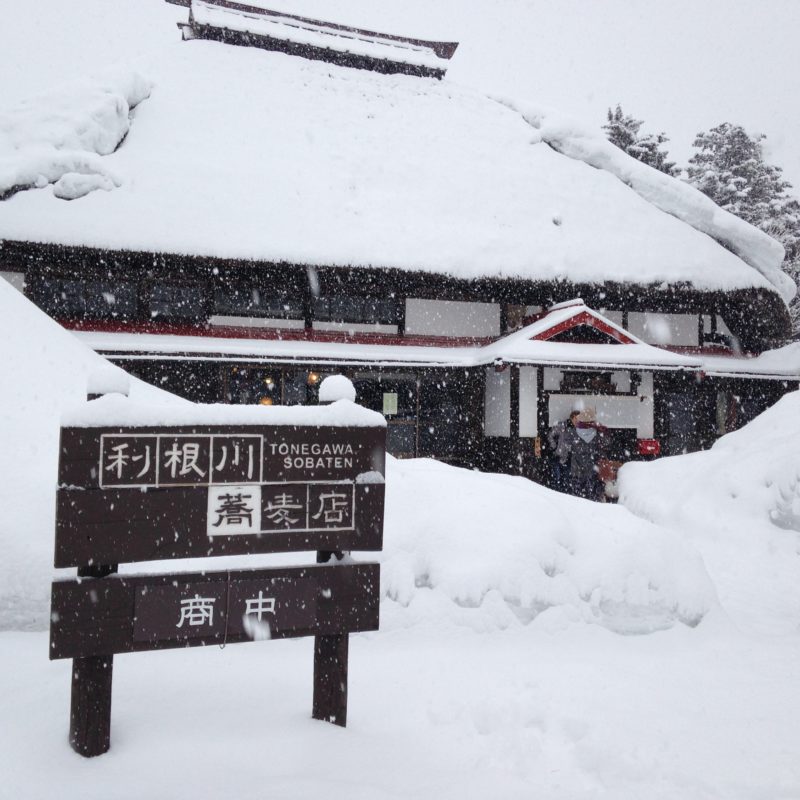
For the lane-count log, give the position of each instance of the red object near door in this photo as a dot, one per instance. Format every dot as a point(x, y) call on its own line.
point(649, 447)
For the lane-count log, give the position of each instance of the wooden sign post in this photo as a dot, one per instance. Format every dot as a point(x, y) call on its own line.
point(151, 493)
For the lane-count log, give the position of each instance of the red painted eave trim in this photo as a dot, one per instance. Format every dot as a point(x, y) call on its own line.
point(274, 334)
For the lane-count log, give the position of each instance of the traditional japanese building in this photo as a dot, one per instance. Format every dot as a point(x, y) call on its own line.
point(478, 268)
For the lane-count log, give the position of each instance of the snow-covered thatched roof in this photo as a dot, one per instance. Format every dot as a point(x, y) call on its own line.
point(248, 154)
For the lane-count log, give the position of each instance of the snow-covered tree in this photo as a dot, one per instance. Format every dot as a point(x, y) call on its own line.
point(729, 167)
point(623, 131)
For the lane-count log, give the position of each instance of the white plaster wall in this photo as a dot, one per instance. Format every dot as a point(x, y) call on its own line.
point(622, 380)
point(452, 318)
point(355, 327)
point(16, 279)
point(614, 316)
point(497, 403)
point(528, 402)
point(255, 322)
point(723, 328)
point(664, 329)
point(552, 379)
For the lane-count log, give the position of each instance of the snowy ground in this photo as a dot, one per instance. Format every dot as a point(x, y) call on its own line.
point(436, 711)
point(530, 644)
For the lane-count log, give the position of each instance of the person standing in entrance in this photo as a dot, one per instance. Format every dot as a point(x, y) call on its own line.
point(559, 457)
point(582, 445)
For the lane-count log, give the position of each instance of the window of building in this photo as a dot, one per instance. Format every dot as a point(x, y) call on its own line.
point(171, 301)
point(593, 382)
point(395, 396)
point(253, 386)
point(497, 403)
point(252, 301)
point(301, 386)
point(89, 299)
point(350, 308)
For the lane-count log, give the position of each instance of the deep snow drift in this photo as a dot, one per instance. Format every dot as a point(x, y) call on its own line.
point(45, 369)
point(739, 504)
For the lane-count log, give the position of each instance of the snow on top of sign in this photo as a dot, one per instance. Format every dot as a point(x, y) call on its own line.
point(336, 387)
point(108, 379)
point(240, 153)
point(116, 410)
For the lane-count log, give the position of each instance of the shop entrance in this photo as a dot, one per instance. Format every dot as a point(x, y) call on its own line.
point(396, 396)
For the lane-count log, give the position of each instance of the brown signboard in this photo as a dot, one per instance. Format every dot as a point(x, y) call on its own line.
point(148, 493)
point(222, 492)
point(123, 614)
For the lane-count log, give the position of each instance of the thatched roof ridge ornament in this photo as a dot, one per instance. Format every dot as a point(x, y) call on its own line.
point(252, 26)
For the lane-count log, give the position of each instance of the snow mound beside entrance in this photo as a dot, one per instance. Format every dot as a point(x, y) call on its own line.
point(457, 539)
point(739, 504)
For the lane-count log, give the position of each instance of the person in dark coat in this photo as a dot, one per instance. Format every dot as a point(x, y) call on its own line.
point(559, 459)
point(582, 446)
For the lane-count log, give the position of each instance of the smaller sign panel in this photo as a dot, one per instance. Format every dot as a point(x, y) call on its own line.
point(181, 611)
point(129, 613)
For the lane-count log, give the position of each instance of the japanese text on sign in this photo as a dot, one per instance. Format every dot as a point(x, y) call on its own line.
point(185, 459)
point(179, 459)
point(191, 611)
point(273, 507)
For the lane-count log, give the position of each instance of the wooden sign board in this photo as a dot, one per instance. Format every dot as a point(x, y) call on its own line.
point(146, 494)
point(125, 614)
point(149, 493)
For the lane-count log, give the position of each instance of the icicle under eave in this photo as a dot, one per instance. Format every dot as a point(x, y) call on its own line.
point(251, 26)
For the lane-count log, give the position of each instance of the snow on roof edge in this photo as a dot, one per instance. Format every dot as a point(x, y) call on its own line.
point(670, 195)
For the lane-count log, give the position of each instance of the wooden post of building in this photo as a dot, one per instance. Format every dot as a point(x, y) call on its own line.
point(330, 669)
point(90, 704)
